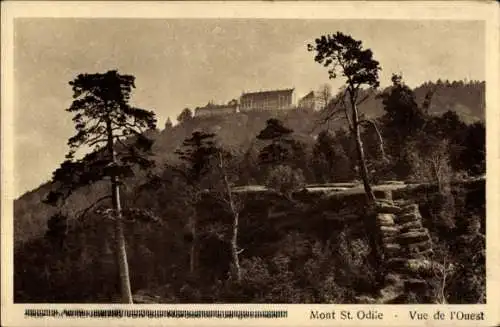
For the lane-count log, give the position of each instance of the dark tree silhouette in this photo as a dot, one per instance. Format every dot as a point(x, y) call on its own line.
point(197, 152)
point(474, 155)
point(403, 121)
point(330, 161)
point(185, 115)
point(280, 147)
point(107, 124)
point(168, 123)
point(57, 227)
point(343, 55)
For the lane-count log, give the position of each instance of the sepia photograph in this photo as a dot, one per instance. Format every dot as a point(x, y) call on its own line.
point(292, 161)
point(249, 160)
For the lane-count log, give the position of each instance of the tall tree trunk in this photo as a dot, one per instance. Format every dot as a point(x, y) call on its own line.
point(234, 208)
point(361, 154)
point(120, 246)
point(374, 236)
point(194, 242)
point(234, 247)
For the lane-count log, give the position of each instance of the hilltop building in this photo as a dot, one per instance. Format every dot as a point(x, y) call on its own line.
point(214, 110)
point(267, 100)
point(311, 101)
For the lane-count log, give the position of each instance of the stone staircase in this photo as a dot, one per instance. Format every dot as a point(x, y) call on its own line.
point(406, 250)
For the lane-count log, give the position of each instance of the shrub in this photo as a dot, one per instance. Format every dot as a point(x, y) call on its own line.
point(285, 180)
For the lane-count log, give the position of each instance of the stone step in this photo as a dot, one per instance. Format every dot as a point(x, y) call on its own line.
point(414, 284)
point(403, 203)
point(392, 249)
point(388, 231)
point(384, 201)
point(389, 239)
point(414, 237)
point(408, 217)
point(411, 266)
point(383, 207)
point(391, 292)
point(385, 219)
point(409, 208)
point(410, 225)
point(419, 247)
point(418, 230)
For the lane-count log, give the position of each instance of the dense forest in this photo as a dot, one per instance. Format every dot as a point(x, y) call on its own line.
point(223, 209)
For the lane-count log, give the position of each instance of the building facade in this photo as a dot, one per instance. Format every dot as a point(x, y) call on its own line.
point(267, 100)
point(312, 102)
point(215, 110)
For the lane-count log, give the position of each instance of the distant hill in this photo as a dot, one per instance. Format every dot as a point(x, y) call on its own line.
point(239, 130)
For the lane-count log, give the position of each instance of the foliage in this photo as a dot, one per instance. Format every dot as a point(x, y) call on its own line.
point(341, 52)
point(279, 149)
point(330, 162)
point(285, 180)
point(105, 122)
point(57, 227)
point(308, 262)
point(185, 116)
point(473, 156)
point(168, 124)
point(197, 151)
point(282, 260)
point(103, 116)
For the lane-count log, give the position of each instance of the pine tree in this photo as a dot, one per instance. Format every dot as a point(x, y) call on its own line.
point(345, 56)
point(197, 153)
point(113, 130)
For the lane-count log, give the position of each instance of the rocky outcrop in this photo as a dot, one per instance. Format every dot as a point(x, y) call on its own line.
point(406, 250)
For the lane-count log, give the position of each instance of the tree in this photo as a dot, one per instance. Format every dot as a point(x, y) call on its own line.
point(232, 201)
point(331, 163)
point(404, 121)
point(324, 94)
point(431, 162)
point(279, 148)
point(285, 180)
point(168, 124)
point(403, 116)
point(197, 152)
point(340, 53)
point(474, 154)
point(113, 129)
point(57, 227)
point(185, 116)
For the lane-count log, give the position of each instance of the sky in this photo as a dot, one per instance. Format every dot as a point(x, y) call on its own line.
point(181, 63)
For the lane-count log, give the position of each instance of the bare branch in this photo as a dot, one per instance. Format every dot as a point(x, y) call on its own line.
point(133, 127)
point(120, 141)
point(96, 141)
point(91, 129)
point(379, 135)
point(332, 112)
point(83, 212)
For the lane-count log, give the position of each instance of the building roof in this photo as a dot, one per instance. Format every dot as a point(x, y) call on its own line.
point(269, 92)
point(308, 95)
point(212, 106)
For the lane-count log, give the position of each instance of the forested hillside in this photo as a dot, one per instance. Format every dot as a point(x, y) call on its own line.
point(293, 245)
point(238, 131)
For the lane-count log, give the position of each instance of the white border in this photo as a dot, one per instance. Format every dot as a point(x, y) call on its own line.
point(12, 314)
